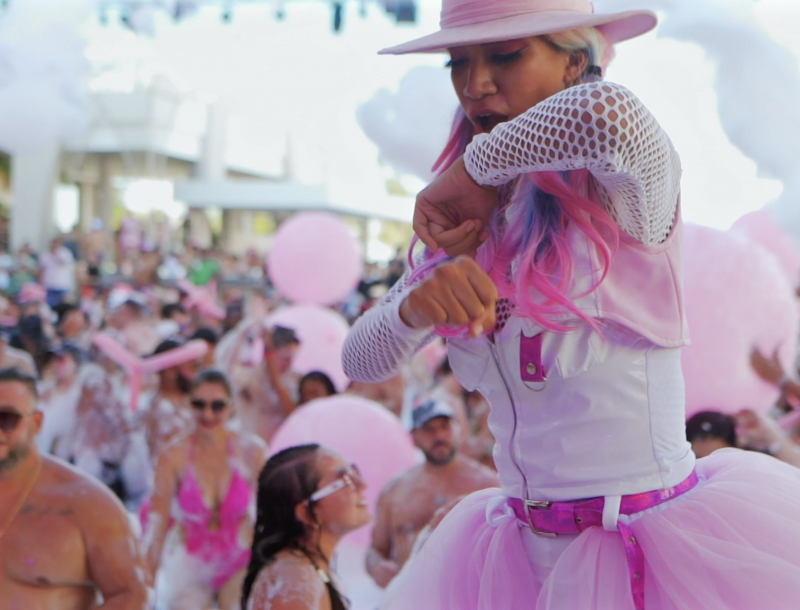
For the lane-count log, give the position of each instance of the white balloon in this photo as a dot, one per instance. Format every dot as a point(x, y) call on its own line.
point(410, 127)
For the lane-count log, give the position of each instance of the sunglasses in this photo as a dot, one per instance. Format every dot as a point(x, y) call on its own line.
point(9, 420)
point(217, 406)
point(349, 477)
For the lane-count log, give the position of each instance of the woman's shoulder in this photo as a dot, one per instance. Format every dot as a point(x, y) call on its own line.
point(247, 441)
point(289, 581)
point(176, 453)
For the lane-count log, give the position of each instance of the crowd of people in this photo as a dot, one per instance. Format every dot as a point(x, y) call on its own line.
point(200, 512)
point(145, 254)
point(175, 461)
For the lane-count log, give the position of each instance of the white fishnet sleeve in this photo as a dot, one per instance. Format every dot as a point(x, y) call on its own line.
point(603, 128)
point(380, 343)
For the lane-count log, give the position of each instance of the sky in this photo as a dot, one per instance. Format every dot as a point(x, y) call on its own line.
point(300, 82)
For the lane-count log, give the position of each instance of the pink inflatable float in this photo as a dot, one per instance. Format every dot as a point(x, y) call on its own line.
point(364, 432)
point(322, 333)
point(136, 367)
point(762, 228)
point(315, 259)
point(737, 298)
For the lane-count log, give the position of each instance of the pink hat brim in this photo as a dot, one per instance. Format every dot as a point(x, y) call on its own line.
point(616, 26)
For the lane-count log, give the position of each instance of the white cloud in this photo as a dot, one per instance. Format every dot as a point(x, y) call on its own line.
point(410, 126)
point(725, 89)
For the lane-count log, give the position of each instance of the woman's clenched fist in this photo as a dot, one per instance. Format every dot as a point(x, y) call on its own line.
point(458, 293)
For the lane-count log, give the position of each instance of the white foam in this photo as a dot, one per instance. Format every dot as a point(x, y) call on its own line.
point(42, 73)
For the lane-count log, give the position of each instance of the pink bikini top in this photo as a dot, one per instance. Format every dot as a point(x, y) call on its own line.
point(211, 533)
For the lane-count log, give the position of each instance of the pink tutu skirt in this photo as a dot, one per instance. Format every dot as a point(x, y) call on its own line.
point(732, 542)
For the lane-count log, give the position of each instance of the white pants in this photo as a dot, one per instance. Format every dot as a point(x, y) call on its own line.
point(544, 551)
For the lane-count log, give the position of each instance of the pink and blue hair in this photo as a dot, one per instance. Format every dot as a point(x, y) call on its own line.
point(527, 254)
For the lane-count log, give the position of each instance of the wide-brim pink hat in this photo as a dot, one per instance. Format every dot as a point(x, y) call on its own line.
point(466, 22)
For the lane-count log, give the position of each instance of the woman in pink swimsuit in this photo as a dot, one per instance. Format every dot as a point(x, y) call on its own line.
point(204, 486)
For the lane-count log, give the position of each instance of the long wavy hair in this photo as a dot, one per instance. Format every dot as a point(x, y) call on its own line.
point(527, 254)
point(289, 478)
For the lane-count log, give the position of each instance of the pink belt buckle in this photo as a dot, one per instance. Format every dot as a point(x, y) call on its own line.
point(588, 513)
point(537, 505)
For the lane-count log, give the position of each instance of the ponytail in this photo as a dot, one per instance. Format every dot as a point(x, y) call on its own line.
point(289, 478)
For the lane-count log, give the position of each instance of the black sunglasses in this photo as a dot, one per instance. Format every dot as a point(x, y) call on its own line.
point(9, 420)
point(217, 406)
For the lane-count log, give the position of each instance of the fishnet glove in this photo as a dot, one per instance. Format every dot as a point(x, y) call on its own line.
point(601, 127)
point(380, 343)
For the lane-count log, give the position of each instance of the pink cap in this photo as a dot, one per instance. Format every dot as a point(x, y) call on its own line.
point(31, 293)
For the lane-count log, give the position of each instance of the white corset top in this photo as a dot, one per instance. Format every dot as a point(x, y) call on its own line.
point(608, 420)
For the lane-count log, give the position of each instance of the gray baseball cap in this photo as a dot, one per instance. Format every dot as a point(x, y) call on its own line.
point(429, 410)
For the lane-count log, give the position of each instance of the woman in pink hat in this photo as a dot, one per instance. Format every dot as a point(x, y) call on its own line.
point(554, 266)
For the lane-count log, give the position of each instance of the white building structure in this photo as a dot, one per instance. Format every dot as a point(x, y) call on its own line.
point(216, 160)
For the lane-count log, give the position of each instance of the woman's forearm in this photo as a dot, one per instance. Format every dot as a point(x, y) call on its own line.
point(287, 404)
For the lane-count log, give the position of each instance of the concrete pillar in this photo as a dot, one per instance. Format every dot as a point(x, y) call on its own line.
point(228, 229)
point(33, 180)
point(87, 209)
point(199, 228)
point(211, 166)
point(102, 195)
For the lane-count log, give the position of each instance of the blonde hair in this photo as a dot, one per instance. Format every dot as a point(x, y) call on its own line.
point(587, 41)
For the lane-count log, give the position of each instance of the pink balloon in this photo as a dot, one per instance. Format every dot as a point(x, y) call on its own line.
point(364, 432)
point(314, 259)
point(762, 228)
point(129, 362)
point(116, 351)
point(193, 350)
point(32, 292)
point(135, 367)
point(737, 298)
point(322, 333)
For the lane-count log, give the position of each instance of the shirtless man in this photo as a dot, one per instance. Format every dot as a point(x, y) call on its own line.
point(409, 502)
point(64, 538)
